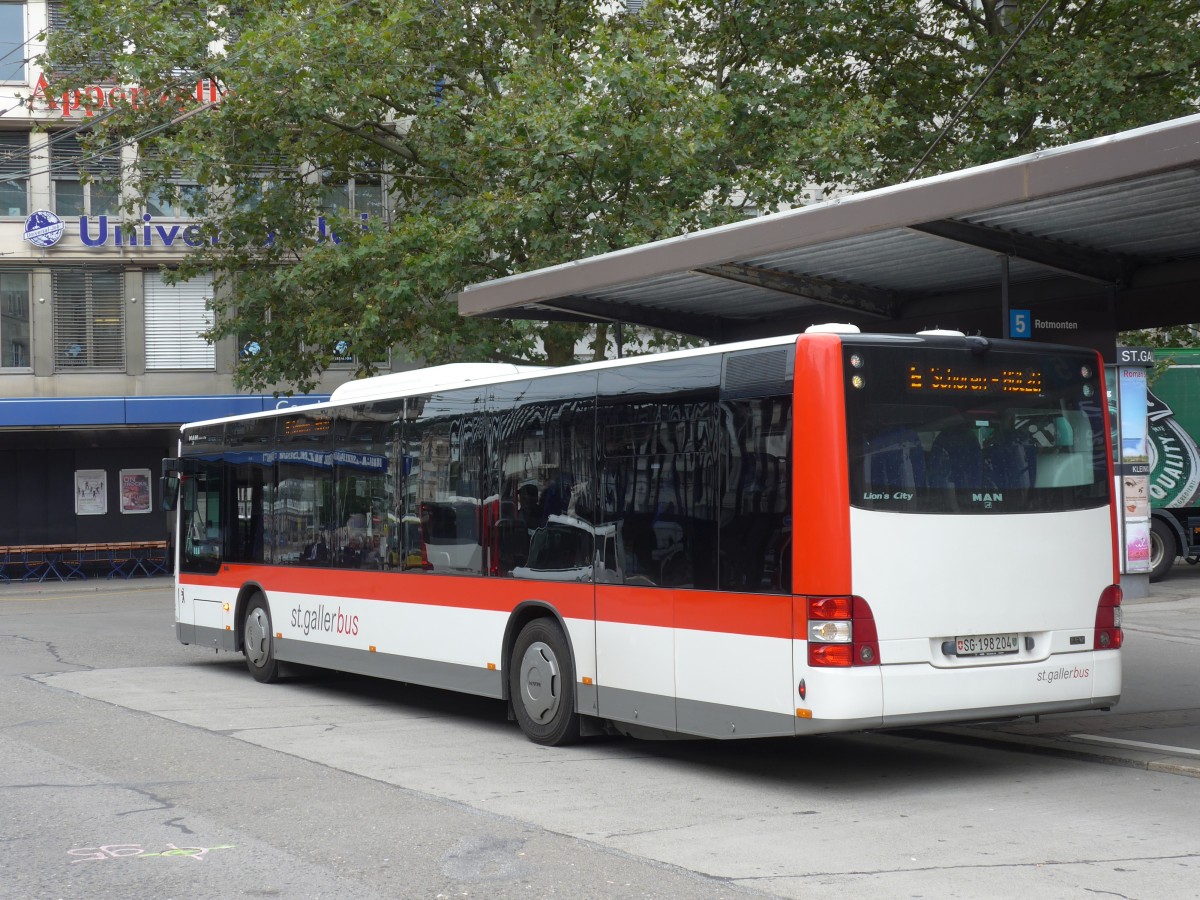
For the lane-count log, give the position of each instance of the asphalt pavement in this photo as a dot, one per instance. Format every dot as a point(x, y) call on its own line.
point(1156, 725)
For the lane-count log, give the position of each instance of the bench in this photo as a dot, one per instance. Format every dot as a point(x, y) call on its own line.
point(37, 562)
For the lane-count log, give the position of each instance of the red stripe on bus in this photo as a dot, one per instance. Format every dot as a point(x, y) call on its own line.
point(635, 605)
point(456, 591)
point(765, 615)
point(820, 470)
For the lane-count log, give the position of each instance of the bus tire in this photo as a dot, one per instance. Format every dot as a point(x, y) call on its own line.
point(1163, 549)
point(541, 684)
point(258, 640)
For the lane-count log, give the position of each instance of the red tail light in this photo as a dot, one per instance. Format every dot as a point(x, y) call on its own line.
point(841, 632)
point(1109, 635)
point(830, 607)
point(830, 655)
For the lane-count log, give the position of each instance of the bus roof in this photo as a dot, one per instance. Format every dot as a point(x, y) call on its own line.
point(455, 375)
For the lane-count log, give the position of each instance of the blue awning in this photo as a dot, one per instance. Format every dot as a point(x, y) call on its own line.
point(37, 412)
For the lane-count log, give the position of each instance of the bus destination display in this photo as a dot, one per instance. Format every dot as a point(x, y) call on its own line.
point(303, 426)
point(943, 378)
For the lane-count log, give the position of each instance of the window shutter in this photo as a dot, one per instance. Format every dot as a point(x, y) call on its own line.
point(68, 159)
point(59, 21)
point(89, 321)
point(14, 153)
point(175, 316)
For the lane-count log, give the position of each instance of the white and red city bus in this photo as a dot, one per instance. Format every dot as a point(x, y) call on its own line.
point(826, 532)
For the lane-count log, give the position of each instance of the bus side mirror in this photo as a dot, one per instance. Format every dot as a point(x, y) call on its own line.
point(169, 482)
point(169, 489)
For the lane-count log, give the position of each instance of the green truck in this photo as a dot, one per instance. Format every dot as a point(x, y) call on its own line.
point(1174, 414)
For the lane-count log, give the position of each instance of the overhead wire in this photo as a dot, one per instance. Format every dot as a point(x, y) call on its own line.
point(966, 104)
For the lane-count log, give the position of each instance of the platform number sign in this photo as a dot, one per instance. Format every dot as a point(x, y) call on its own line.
point(1020, 324)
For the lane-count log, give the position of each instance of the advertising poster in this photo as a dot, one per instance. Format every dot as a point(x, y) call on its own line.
point(135, 491)
point(1137, 546)
point(91, 492)
point(1133, 415)
point(1133, 480)
point(1136, 496)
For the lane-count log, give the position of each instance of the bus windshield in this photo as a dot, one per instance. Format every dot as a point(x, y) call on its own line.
point(948, 430)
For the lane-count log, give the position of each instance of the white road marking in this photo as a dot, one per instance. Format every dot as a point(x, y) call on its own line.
point(1136, 745)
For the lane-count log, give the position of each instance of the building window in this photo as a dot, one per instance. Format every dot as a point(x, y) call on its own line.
point(12, 41)
point(175, 201)
point(69, 164)
point(89, 321)
point(176, 314)
point(248, 195)
point(359, 192)
point(14, 173)
point(14, 320)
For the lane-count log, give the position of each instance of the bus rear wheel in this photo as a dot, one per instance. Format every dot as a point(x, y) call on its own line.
point(541, 684)
point(1162, 549)
point(258, 641)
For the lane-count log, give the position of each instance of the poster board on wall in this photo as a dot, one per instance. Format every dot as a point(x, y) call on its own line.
point(91, 492)
point(135, 491)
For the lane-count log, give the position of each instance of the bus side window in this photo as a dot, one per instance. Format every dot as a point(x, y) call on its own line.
point(542, 434)
point(755, 495)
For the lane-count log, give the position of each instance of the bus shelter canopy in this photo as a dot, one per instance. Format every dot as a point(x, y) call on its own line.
point(1106, 231)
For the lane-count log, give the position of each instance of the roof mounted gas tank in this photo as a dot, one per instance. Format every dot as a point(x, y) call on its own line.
point(832, 328)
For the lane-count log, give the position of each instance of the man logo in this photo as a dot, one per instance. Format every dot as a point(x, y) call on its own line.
point(44, 229)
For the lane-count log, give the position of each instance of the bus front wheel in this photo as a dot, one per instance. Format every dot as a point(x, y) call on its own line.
point(1162, 549)
point(541, 684)
point(259, 641)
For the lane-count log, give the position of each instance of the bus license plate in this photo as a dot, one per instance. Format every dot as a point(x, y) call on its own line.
point(986, 644)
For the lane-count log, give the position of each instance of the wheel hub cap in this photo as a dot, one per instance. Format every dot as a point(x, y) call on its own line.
point(540, 684)
point(256, 637)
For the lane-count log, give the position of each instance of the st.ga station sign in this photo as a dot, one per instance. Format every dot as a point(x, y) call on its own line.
point(94, 97)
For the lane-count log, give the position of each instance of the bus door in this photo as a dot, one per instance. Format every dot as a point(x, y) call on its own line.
point(198, 609)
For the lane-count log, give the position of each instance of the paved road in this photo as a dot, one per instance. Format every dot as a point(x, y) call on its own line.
point(134, 767)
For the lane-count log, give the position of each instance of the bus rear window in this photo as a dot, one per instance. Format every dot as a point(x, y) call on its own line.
point(945, 430)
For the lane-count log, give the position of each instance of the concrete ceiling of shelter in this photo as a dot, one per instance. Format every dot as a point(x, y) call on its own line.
point(1110, 225)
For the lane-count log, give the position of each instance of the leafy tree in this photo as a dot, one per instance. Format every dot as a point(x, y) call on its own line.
point(518, 134)
point(514, 135)
point(1171, 336)
point(853, 92)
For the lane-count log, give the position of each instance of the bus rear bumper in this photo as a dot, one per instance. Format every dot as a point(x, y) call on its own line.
point(1068, 682)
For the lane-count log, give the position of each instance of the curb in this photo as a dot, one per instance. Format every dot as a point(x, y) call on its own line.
point(34, 590)
point(1067, 748)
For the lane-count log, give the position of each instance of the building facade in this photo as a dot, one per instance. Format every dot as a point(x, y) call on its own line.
point(101, 359)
